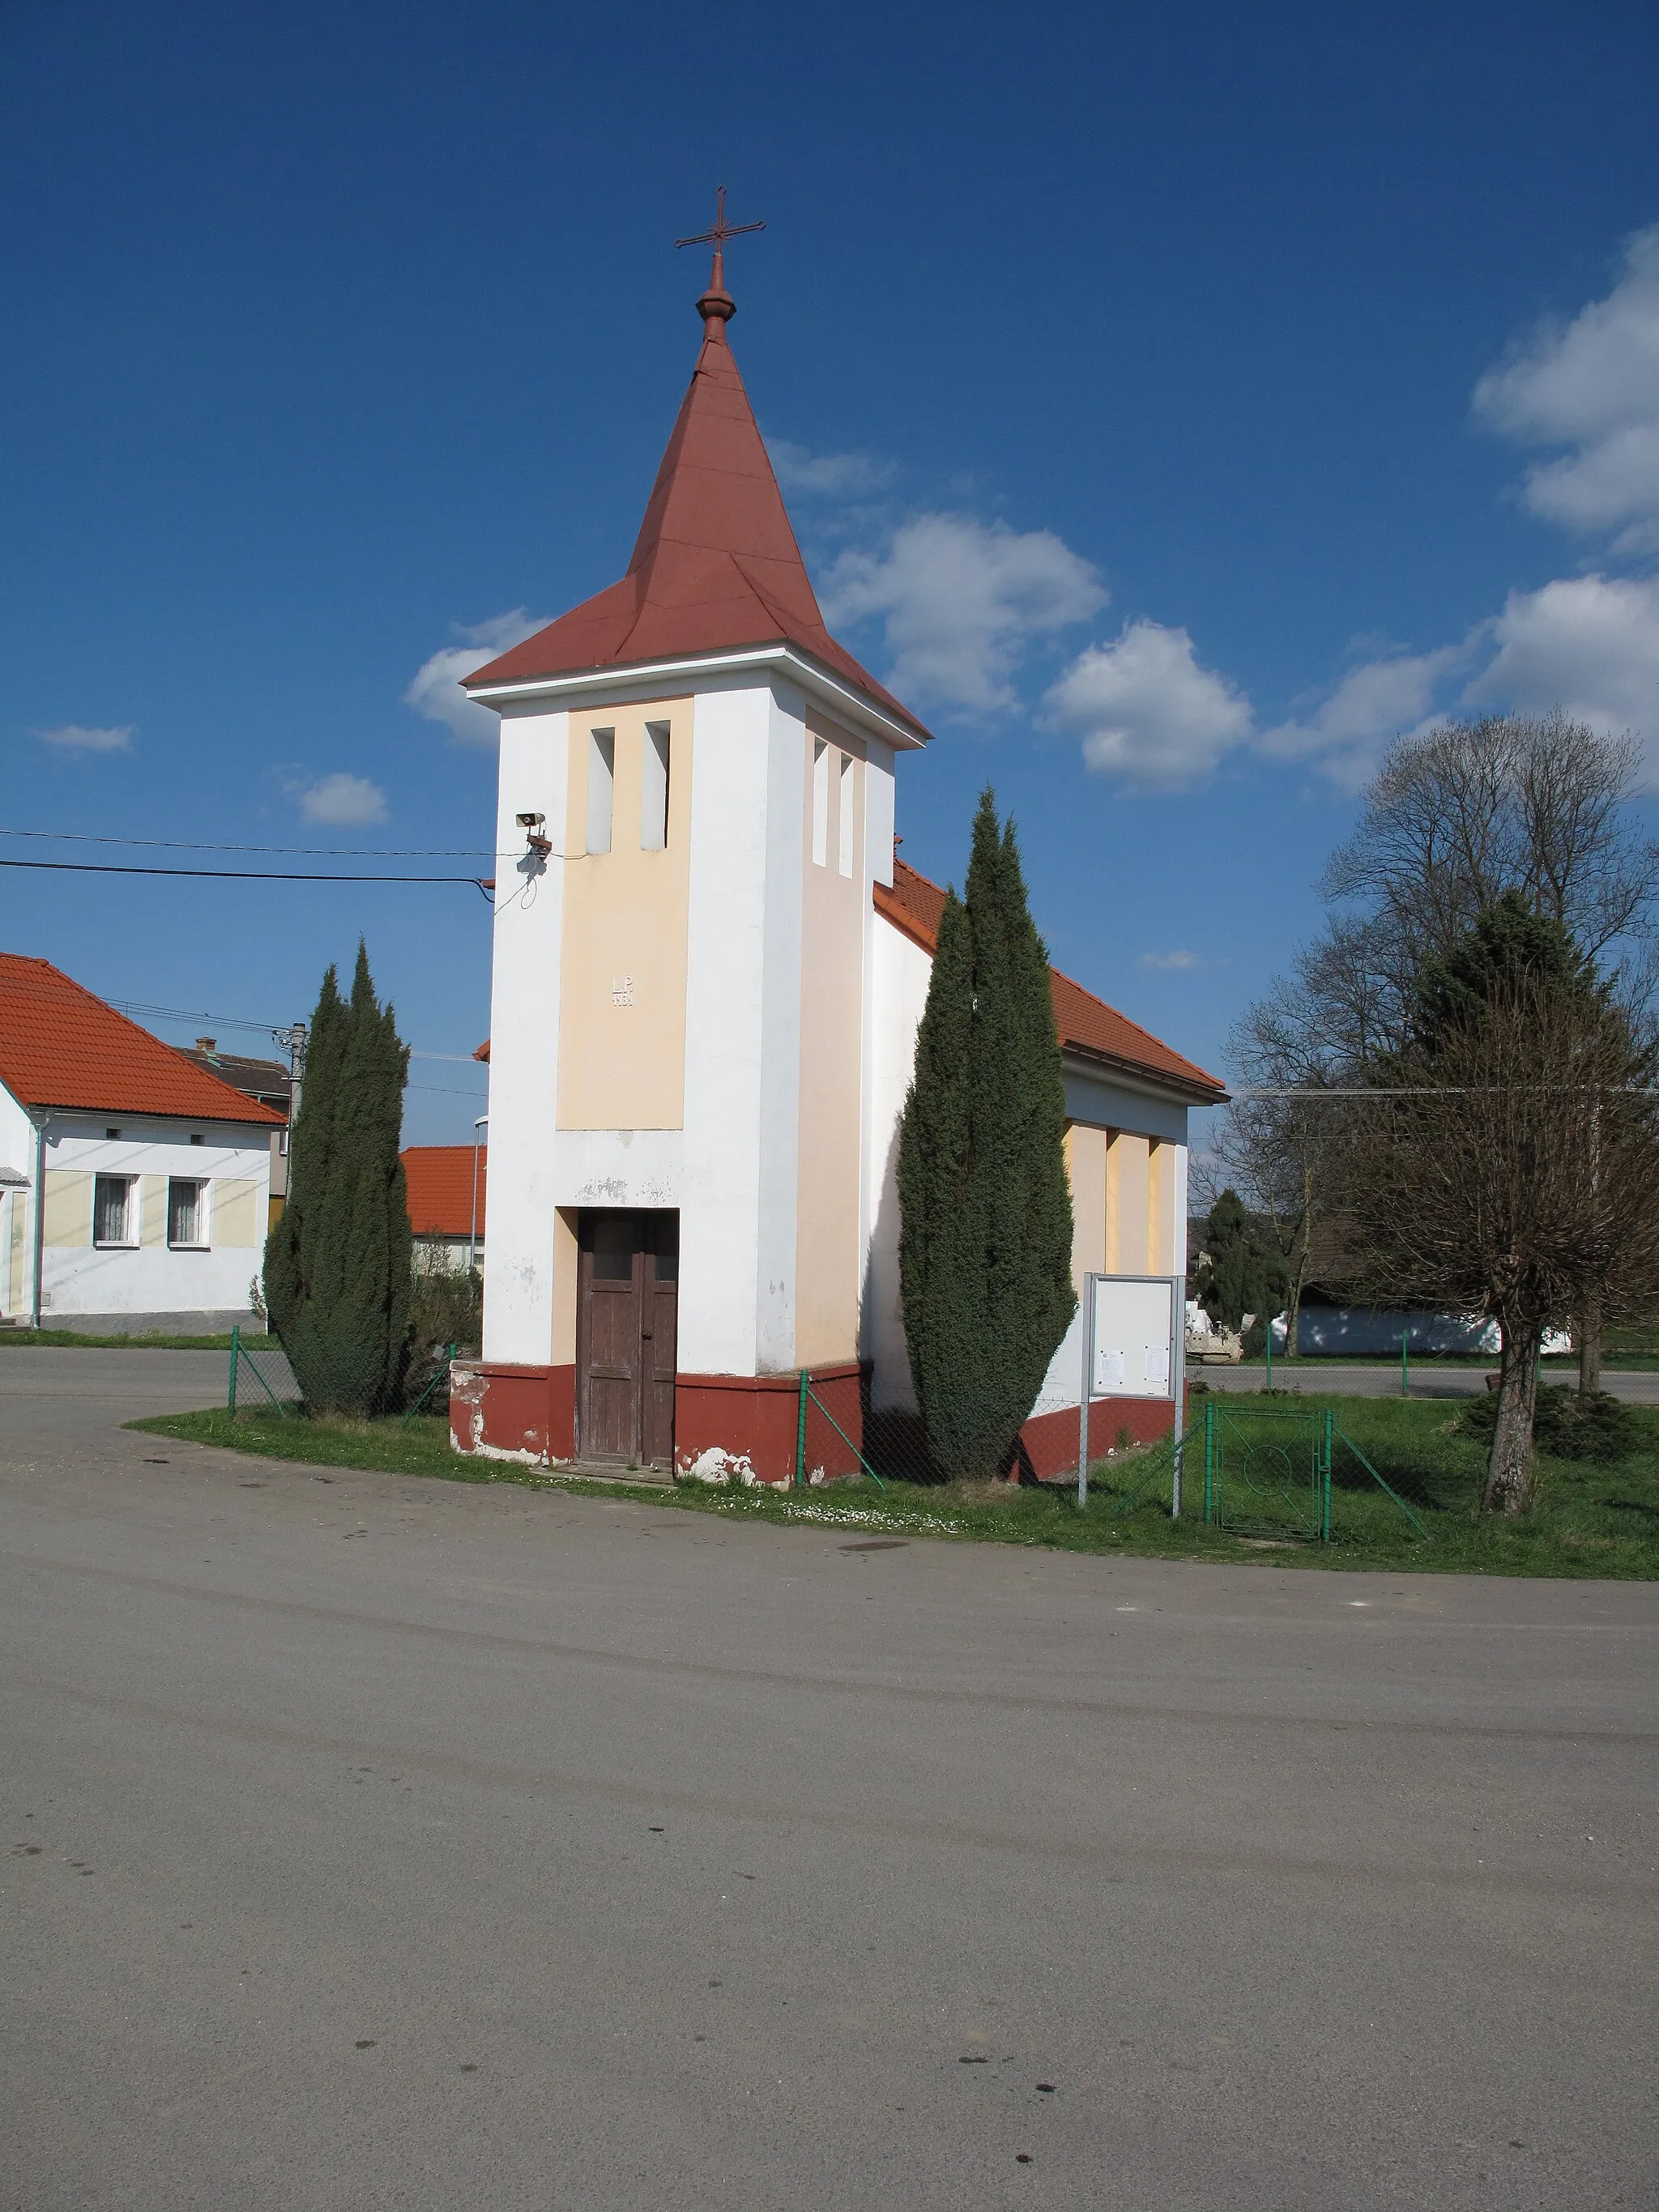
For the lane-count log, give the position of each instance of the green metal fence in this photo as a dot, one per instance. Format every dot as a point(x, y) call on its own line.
point(1268, 1470)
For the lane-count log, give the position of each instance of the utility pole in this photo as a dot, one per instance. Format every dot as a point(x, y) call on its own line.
point(483, 1122)
point(40, 1115)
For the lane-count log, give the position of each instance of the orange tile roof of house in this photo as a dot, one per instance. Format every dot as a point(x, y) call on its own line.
point(62, 1045)
point(1086, 1024)
point(715, 566)
point(439, 1179)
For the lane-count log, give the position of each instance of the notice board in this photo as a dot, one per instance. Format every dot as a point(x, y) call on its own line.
point(1133, 1333)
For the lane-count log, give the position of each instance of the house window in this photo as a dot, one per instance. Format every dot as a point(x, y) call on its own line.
point(601, 787)
point(196, 1139)
point(111, 1209)
point(187, 1211)
point(653, 789)
point(844, 848)
point(820, 802)
point(111, 1132)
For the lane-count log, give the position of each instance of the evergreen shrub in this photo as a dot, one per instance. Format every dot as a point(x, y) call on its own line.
point(985, 1203)
point(1590, 1425)
point(339, 1269)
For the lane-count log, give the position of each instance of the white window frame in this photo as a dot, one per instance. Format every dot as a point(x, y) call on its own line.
point(127, 1241)
point(202, 1241)
point(844, 827)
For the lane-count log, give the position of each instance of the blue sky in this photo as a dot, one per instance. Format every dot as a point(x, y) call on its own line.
point(1177, 403)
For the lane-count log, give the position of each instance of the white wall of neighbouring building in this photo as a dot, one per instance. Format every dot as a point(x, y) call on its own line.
point(146, 1276)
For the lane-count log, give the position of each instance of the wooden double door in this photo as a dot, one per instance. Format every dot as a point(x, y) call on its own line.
point(626, 1329)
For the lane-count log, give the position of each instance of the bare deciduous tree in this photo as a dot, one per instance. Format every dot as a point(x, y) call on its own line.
point(1512, 1170)
point(1454, 819)
point(1466, 812)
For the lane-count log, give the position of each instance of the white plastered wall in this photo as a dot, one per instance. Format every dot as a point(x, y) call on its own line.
point(147, 1276)
point(742, 1033)
point(899, 970)
point(524, 1042)
point(17, 1154)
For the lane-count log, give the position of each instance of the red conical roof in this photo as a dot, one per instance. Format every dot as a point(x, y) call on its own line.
point(715, 566)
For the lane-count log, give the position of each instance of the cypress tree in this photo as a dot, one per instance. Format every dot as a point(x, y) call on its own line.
point(339, 1264)
point(1239, 1272)
point(985, 1203)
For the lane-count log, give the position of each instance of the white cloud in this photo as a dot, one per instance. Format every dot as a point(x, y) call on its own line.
point(1589, 644)
point(1375, 702)
point(435, 691)
point(343, 801)
point(75, 737)
point(1147, 710)
point(828, 476)
point(1169, 960)
point(1592, 384)
point(960, 601)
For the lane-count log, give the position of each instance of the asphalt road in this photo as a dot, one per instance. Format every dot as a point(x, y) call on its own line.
point(382, 1843)
point(1427, 1380)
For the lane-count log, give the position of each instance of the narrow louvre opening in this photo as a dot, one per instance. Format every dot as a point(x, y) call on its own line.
point(111, 1209)
point(820, 802)
point(844, 849)
point(601, 788)
point(184, 1210)
point(653, 789)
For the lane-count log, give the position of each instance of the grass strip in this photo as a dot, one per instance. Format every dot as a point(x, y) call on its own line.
point(1592, 1520)
point(73, 1339)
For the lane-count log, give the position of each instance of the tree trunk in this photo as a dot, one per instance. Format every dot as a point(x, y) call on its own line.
point(1510, 1469)
point(1589, 1345)
point(1293, 1313)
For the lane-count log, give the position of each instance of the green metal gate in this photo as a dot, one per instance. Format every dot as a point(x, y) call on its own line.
point(1268, 1471)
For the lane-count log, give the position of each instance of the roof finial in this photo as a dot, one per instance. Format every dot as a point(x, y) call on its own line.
point(717, 304)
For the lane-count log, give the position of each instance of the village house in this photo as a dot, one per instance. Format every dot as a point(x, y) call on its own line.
point(710, 965)
point(134, 1183)
point(448, 1185)
point(272, 1085)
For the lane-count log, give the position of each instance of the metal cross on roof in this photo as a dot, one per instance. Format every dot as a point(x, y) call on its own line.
point(717, 238)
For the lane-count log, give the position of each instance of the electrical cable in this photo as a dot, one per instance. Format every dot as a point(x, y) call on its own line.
point(315, 852)
point(235, 875)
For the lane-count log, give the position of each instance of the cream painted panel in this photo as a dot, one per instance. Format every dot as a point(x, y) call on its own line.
point(1160, 1176)
point(828, 1259)
point(235, 1218)
point(1085, 1164)
point(564, 1286)
point(69, 1207)
point(621, 999)
point(1128, 1201)
point(153, 1216)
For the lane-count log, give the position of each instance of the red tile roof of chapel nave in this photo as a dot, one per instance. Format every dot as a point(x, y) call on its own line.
point(62, 1045)
point(1085, 1024)
point(715, 566)
point(439, 1178)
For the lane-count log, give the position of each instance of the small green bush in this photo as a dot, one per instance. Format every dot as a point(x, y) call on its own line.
point(1568, 1424)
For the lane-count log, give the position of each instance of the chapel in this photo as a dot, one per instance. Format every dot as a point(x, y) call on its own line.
point(709, 966)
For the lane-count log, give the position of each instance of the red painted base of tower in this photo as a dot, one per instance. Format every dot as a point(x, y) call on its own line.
point(749, 1424)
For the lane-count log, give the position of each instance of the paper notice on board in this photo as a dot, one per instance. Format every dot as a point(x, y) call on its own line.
point(1109, 1368)
point(1158, 1366)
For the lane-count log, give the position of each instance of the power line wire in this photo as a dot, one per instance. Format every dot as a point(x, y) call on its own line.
point(236, 875)
point(315, 852)
point(140, 1006)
